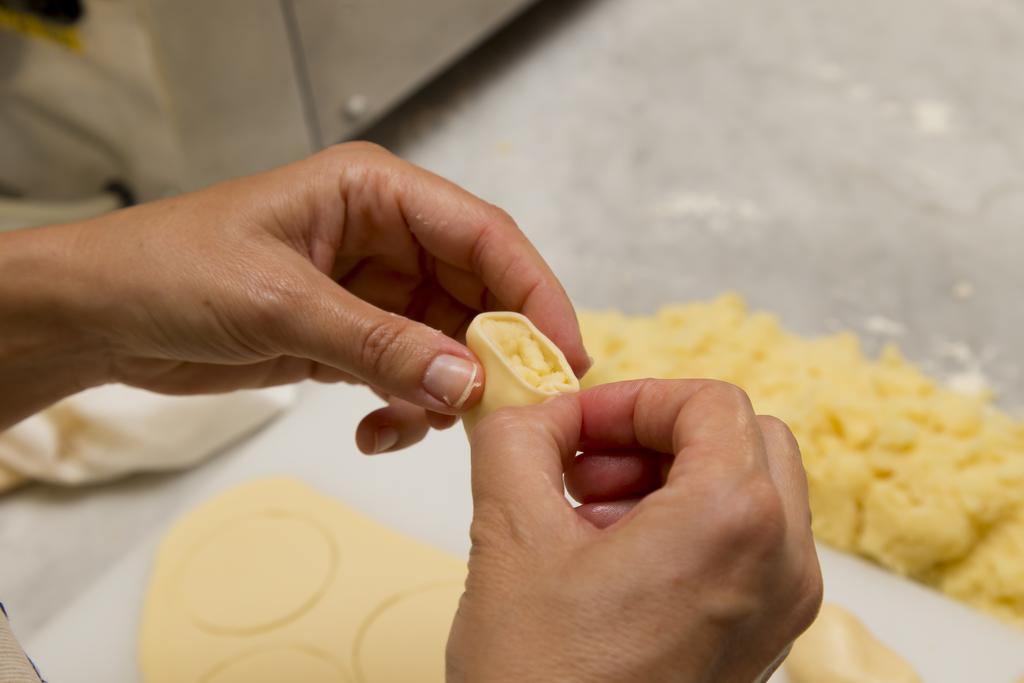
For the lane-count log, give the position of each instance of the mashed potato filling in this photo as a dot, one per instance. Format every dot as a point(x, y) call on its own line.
point(531, 358)
point(923, 480)
point(521, 365)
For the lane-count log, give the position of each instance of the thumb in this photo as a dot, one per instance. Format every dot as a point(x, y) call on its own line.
point(519, 455)
point(392, 353)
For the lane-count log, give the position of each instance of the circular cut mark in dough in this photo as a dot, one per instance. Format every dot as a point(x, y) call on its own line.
point(277, 664)
point(404, 639)
point(257, 573)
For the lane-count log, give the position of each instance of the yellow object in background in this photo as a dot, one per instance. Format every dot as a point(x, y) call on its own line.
point(34, 27)
point(273, 581)
point(925, 481)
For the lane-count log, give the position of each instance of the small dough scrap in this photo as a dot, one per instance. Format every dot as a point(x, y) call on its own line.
point(521, 366)
point(272, 581)
point(838, 648)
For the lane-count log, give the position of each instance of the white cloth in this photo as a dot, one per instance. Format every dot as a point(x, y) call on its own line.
point(105, 433)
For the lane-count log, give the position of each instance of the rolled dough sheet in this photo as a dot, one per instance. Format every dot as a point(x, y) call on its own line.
point(273, 581)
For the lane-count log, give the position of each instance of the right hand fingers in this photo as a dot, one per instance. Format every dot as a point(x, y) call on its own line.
point(519, 455)
point(788, 472)
point(601, 476)
point(671, 416)
point(747, 487)
point(709, 428)
point(608, 484)
point(512, 446)
point(787, 469)
point(734, 504)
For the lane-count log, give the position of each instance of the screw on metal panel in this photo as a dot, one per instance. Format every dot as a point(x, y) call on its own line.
point(356, 106)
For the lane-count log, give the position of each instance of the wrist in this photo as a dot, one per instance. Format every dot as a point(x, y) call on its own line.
point(46, 352)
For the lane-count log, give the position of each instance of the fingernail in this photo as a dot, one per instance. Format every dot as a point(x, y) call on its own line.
point(384, 438)
point(450, 379)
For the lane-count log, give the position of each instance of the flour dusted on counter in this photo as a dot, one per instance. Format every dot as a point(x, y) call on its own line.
point(927, 481)
point(970, 383)
point(887, 327)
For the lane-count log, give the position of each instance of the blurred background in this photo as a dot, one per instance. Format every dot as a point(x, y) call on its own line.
point(850, 165)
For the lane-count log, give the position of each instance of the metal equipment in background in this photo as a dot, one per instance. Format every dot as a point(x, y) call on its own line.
point(167, 95)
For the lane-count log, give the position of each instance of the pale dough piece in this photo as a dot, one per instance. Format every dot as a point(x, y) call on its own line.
point(838, 648)
point(272, 581)
point(521, 366)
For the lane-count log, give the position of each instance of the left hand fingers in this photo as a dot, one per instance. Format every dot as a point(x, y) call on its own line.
point(467, 233)
point(397, 425)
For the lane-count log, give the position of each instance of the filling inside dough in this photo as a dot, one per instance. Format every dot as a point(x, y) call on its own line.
point(528, 357)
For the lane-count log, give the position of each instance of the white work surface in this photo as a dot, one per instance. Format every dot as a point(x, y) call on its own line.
point(424, 493)
point(846, 165)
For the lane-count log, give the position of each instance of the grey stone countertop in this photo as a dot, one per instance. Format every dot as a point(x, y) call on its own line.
point(846, 165)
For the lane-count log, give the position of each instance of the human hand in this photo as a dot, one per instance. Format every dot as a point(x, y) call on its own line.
point(691, 558)
point(343, 266)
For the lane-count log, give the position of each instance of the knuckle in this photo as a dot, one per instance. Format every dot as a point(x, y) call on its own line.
point(483, 534)
point(498, 429)
point(271, 305)
point(380, 345)
point(775, 429)
point(729, 395)
point(505, 420)
point(281, 296)
point(810, 592)
point(499, 216)
point(755, 520)
point(495, 527)
point(359, 147)
point(359, 163)
point(772, 425)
